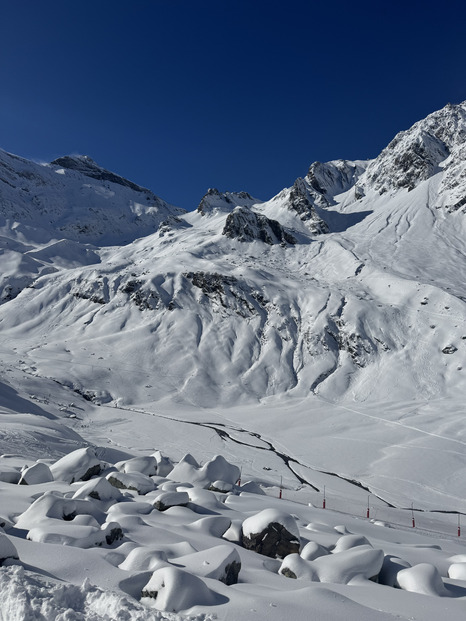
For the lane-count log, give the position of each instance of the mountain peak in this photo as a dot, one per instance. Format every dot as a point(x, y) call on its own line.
point(87, 166)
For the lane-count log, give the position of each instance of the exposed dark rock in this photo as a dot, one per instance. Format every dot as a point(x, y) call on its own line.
point(92, 472)
point(215, 201)
point(246, 225)
point(231, 573)
point(274, 541)
point(115, 534)
point(299, 202)
point(449, 349)
point(86, 166)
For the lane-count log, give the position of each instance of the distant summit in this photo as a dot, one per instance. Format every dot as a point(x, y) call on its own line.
point(86, 166)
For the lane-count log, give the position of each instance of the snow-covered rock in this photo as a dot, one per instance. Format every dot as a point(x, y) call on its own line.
point(98, 489)
point(145, 465)
point(298, 568)
point(37, 473)
point(457, 571)
point(189, 471)
point(172, 589)
point(221, 563)
point(361, 562)
point(7, 549)
point(171, 499)
point(80, 465)
point(313, 550)
point(389, 573)
point(350, 541)
point(272, 533)
point(135, 481)
point(422, 578)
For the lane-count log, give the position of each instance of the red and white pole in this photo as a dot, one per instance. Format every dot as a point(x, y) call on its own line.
point(368, 509)
point(412, 515)
point(459, 526)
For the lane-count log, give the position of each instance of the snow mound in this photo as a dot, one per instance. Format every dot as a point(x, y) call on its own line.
point(172, 589)
point(80, 465)
point(189, 471)
point(219, 563)
point(361, 562)
point(38, 473)
point(423, 578)
point(28, 597)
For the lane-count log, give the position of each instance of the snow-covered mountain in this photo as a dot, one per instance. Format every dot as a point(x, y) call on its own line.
point(353, 274)
point(316, 339)
point(347, 286)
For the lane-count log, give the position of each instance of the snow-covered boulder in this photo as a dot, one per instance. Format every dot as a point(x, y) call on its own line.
point(38, 473)
point(80, 465)
point(171, 499)
point(221, 563)
point(360, 562)
point(221, 486)
point(75, 534)
point(350, 541)
point(212, 526)
point(391, 566)
point(164, 464)
point(294, 566)
point(50, 505)
point(457, 571)
point(423, 578)
point(251, 487)
point(272, 533)
point(145, 465)
point(98, 489)
point(313, 550)
point(144, 559)
point(171, 589)
point(7, 549)
point(135, 481)
point(217, 469)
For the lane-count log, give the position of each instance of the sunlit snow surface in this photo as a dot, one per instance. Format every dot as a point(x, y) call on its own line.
point(336, 359)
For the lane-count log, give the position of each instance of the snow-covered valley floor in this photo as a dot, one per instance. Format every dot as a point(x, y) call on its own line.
point(68, 570)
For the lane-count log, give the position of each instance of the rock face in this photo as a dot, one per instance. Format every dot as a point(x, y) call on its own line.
point(246, 226)
point(271, 533)
point(420, 152)
point(86, 166)
point(223, 202)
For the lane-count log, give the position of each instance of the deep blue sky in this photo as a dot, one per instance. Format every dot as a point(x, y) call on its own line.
point(183, 95)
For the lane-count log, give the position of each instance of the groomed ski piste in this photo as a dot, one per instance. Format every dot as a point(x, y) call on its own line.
point(253, 410)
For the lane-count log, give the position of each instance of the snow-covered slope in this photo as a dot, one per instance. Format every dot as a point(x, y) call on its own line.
point(346, 287)
point(317, 338)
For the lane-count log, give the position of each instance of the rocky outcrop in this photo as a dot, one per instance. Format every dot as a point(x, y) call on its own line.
point(246, 226)
point(86, 166)
point(214, 201)
point(271, 533)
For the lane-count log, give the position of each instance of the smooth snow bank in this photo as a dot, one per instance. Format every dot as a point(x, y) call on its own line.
point(28, 597)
